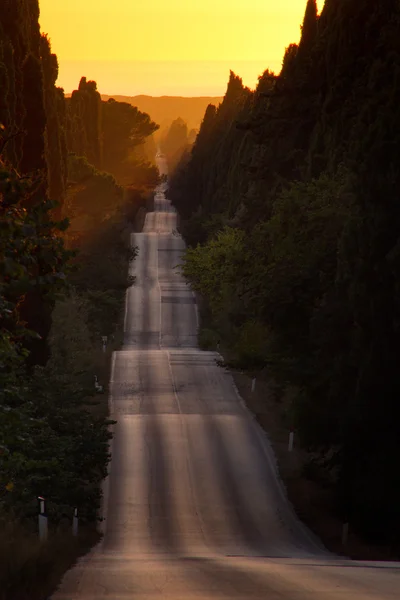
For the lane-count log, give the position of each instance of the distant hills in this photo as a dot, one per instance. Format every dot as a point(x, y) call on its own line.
point(165, 109)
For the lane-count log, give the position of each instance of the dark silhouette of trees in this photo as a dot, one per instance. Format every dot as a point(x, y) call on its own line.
point(175, 142)
point(124, 128)
point(55, 137)
point(23, 120)
point(214, 157)
point(306, 167)
point(84, 122)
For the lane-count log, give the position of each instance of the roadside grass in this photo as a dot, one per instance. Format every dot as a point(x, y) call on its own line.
point(30, 569)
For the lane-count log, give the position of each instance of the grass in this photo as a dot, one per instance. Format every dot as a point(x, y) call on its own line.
point(30, 569)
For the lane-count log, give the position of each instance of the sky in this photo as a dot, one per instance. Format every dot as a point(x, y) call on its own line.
point(179, 47)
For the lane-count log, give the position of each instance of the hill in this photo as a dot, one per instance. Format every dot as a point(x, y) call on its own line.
point(165, 109)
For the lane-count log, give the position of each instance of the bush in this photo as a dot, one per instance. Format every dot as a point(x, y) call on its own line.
point(208, 339)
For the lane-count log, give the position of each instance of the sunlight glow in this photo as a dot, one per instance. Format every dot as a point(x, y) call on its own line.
point(113, 35)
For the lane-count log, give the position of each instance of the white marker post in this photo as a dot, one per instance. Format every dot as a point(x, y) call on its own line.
point(43, 527)
point(98, 387)
point(291, 441)
point(75, 523)
point(253, 384)
point(104, 340)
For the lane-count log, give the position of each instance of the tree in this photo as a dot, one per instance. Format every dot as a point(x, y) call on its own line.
point(124, 130)
point(175, 143)
point(84, 122)
point(55, 139)
point(311, 180)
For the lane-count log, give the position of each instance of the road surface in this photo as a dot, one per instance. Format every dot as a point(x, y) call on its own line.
point(193, 505)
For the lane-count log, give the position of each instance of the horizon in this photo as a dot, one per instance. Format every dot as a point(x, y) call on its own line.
point(142, 54)
point(148, 73)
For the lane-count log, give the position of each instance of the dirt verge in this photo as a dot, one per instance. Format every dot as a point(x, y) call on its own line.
point(313, 502)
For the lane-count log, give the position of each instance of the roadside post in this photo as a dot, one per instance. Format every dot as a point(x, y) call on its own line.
point(104, 340)
point(291, 440)
point(75, 523)
point(253, 384)
point(43, 526)
point(98, 387)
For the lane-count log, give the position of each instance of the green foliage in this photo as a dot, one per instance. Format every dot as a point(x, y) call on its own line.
point(34, 259)
point(53, 447)
point(50, 443)
point(208, 338)
point(213, 268)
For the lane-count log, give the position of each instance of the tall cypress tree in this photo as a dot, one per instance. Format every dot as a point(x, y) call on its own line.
point(84, 122)
point(34, 123)
point(55, 125)
point(24, 119)
point(309, 30)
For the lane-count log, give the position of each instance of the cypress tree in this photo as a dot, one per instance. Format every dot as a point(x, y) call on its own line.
point(309, 30)
point(84, 122)
point(55, 133)
point(34, 123)
point(23, 115)
point(321, 213)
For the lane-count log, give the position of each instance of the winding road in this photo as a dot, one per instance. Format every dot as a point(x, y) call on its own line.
point(193, 505)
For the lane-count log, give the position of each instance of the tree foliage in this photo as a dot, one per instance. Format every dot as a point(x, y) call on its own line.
point(84, 122)
point(55, 138)
point(49, 442)
point(53, 442)
point(109, 135)
point(124, 128)
point(306, 168)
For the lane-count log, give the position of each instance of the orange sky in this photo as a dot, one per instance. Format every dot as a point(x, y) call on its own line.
point(180, 47)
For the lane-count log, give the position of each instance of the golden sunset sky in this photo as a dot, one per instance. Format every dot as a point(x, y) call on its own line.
point(179, 47)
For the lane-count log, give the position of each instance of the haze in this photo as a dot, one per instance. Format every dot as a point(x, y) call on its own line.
point(175, 48)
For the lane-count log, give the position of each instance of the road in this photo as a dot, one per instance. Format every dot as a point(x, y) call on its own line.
point(193, 504)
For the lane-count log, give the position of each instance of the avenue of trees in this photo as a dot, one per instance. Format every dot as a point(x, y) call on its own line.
point(290, 204)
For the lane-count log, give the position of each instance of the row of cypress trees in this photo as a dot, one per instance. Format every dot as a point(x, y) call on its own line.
point(293, 191)
point(52, 442)
point(40, 127)
point(32, 134)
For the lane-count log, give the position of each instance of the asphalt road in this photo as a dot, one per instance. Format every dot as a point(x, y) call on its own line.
point(193, 505)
